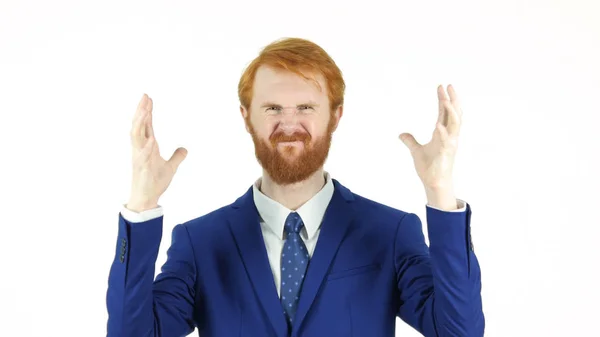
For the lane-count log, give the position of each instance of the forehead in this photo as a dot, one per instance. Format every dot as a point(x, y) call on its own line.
point(282, 85)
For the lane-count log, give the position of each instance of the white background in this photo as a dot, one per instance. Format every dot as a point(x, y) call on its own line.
point(528, 73)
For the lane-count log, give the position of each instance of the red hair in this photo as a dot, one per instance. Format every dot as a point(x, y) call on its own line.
point(299, 56)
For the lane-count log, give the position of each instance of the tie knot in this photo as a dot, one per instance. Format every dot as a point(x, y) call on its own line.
point(293, 223)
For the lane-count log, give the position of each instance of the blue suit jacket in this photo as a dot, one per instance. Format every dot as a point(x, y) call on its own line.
point(370, 265)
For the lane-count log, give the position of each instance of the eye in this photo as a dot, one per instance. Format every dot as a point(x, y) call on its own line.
point(305, 107)
point(273, 109)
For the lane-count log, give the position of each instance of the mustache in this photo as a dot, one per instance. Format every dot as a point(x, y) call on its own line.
point(280, 137)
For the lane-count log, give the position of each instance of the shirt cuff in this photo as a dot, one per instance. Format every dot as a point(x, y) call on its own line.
point(462, 207)
point(143, 216)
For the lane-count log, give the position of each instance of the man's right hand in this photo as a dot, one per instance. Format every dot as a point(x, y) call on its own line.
point(151, 174)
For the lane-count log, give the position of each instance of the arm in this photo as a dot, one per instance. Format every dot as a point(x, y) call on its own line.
point(138, 305)
point(439, 286)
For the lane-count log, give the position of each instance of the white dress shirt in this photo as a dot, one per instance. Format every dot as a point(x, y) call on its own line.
point(272, 220)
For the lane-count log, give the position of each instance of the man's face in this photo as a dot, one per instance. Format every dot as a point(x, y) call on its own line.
point(291, 124)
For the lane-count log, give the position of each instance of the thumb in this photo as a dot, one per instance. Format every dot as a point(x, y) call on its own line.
point(177, 157)
point(410, 141)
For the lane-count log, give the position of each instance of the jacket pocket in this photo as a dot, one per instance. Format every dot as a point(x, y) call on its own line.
point(352, 271)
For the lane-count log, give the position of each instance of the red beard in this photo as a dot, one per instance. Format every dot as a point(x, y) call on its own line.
point(290, 166)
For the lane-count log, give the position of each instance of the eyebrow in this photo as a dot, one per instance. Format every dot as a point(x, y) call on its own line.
point(272, 104)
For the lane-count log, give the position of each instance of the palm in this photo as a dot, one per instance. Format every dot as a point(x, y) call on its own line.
point(151, 173)
point(160, 171)
point(434, 161)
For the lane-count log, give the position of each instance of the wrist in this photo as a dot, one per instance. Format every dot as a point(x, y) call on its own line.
point(140, 206)
point(442, 198)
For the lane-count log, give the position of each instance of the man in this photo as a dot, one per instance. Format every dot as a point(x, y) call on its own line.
point(298, 254)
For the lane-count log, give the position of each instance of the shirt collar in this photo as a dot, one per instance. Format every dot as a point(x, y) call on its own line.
point(312, 212)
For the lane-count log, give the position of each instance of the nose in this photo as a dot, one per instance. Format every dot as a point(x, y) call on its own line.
point(289, 119)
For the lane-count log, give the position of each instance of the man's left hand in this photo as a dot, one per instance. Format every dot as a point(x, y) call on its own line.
point(434, 161)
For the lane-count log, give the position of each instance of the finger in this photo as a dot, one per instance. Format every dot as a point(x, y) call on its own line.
point(177, 157)
point(442, 132)
point(137, 120)
point(149, 103)
point(142, 128)
point(149, 129)
point(453, 125)
point(141, 104)
point(454, 99)
point(136, 140)
point(410, 142)
point(147, 110)
point(147, 149)
point(442, 113)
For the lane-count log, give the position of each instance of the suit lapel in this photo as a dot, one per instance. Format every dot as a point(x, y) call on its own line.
point(336, 222)
point(245, 225)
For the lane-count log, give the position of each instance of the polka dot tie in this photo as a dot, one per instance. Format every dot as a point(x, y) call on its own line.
point(294, 260)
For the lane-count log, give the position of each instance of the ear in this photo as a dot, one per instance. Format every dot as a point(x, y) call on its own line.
point(244, 113)
point(339, 111)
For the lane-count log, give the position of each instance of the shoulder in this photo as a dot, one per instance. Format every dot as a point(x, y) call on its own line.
point(387, 225)
point(214, 224)
point(372, 207)
point(210, 222)
point(217, 218)
point(367, 207)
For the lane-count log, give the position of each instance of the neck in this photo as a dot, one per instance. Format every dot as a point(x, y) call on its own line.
point(294, 195)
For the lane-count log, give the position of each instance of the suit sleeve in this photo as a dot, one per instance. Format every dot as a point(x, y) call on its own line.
point(439, 285)
point(137, 304)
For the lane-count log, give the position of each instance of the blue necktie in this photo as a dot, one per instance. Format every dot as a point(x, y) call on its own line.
point(294, 260)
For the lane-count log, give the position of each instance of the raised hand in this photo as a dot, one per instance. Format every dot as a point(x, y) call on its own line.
point(434, 161)
point(151, 174)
